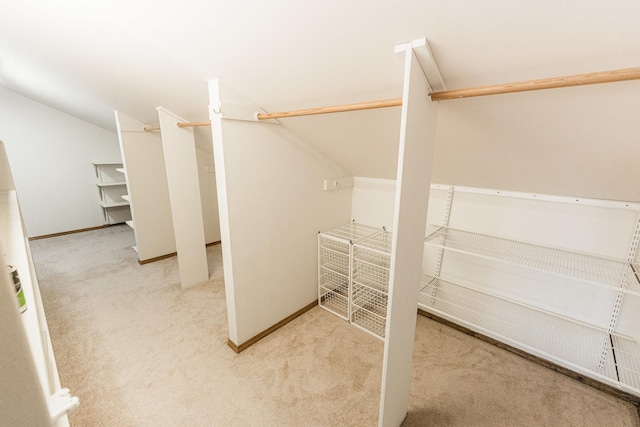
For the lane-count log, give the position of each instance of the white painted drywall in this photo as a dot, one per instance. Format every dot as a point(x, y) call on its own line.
point(418, 126)
point(27, 364)
point(179, 148)
point(146, 178)
point(580, 141)
point(372, 202)
point(272, 206)
point(50, 154)
point(207, 177)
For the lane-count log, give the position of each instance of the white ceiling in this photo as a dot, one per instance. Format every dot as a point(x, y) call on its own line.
point(88, 58)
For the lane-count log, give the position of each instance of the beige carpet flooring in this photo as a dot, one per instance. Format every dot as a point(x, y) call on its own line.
point(139, 351)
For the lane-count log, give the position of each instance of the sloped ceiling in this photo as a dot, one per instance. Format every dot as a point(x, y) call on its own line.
point(88, 58)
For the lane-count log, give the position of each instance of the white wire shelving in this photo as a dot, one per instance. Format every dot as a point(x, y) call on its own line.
point(371, 263)
point(599, 351)
point(335, 265)
point(590, 268)
point(542, 332)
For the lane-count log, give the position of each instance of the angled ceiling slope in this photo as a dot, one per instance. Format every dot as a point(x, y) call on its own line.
point(89, 58)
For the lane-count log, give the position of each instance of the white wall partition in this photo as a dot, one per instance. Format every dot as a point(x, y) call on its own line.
point(415, 159)
point(146, 178)
point(207, 176)
point(51, 154)
point(28, 373)
point(272, 206)
point(184, 192)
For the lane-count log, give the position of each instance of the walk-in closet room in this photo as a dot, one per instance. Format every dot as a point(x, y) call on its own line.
point(339, 213)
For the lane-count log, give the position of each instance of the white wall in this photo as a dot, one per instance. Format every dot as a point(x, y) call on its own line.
point(372, 201)
point(180, 158)
point(580, 141)
point(146, 177)
point(272, 206)
point(50, 154)
point(207, 177)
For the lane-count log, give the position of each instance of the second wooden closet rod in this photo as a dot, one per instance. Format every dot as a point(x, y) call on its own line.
point(529, 85)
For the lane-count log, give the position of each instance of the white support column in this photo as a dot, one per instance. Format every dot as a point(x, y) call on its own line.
point(415, 158)
point(184, 192)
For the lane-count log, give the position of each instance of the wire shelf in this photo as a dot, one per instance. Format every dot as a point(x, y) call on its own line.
point(351, 233)
point(627, 356)
point(559, 337)
point(590, 268)
point(334, 293)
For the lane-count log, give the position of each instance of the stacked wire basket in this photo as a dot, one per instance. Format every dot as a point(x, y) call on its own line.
point(353, 275)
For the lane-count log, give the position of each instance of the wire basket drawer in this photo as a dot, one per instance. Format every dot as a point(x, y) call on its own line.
point(370, 286)
point(371, 269)
point(369, 310)
point(334, 255)
point(334, 292)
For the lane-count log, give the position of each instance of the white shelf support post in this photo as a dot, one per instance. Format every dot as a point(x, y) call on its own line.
point(184, 192)
point(415, 158)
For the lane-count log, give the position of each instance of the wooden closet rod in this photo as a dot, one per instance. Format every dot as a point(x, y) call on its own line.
point(396, 102)
point(528, 85)
point(549, 83)
point(193, 124)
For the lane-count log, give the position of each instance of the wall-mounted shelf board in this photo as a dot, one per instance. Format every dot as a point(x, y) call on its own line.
point(111, 190)
point(111, 184)
point(108, 205)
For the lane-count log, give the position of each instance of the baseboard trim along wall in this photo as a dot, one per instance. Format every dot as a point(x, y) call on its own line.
point(157, 258)
point(251, 341)
point(161, 257)
point(543, 362)
point(64, 233)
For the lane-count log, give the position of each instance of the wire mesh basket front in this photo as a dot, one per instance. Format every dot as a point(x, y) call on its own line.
point(334, 255)
point(334, 293)
point(370, 287)
point(369, 309)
